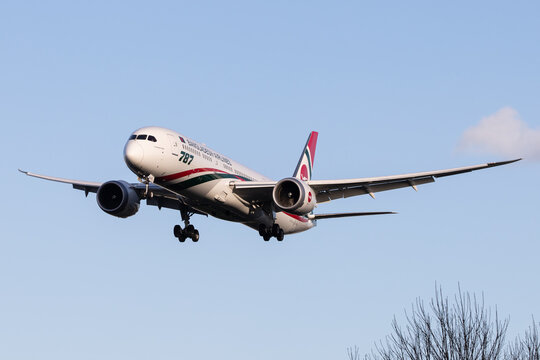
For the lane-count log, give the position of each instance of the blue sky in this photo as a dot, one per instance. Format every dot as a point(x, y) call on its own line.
point(391, 88)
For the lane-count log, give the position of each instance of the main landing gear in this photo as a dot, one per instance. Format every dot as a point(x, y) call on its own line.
point(268, 232)
point(188, 232)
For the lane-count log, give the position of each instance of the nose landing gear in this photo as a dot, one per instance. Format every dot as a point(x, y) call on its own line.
point(188, 232)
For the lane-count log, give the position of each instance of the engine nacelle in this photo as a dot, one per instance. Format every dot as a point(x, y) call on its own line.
point(118, 198)
point(294, 196)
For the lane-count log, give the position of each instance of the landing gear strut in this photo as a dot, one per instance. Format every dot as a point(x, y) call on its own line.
point(189, 230)
point(268, 232)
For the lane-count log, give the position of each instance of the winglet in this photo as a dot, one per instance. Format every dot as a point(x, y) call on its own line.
point(305, 164)
point(503, 162)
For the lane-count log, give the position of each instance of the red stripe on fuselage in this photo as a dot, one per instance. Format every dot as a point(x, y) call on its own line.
point(297, 217)
point(191, 172)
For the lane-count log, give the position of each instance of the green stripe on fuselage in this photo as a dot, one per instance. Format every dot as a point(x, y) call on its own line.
point(183, 185)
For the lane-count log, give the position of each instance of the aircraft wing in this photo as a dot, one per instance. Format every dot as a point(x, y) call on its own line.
point(336, 189)
point(87, 186)
point(161, 197)
point(327, 190)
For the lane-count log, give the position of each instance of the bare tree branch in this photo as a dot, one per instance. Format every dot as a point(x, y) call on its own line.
point(463, 331)
point(526, 348)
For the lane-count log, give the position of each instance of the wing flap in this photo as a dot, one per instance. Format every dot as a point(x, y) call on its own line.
point(355, 189)
point(253, 191)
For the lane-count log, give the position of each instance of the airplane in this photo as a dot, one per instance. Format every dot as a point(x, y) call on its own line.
point(178, 173)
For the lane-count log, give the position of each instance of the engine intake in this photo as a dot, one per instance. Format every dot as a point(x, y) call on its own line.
point(294, 196)
point(118, 198)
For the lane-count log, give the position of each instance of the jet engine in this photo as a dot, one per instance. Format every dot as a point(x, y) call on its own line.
point(294, 196)
point(118, 198)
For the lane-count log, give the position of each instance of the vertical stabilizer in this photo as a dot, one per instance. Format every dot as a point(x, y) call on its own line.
point(305, 164)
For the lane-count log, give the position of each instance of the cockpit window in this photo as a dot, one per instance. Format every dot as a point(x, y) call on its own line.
point(143, 137)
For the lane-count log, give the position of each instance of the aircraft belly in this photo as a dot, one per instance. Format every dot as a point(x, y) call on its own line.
point(216, 199)
point(293, 224)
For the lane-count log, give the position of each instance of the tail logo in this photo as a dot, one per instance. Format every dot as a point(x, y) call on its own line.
point(304, 173)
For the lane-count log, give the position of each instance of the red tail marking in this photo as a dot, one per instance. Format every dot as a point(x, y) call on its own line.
point(312, 144)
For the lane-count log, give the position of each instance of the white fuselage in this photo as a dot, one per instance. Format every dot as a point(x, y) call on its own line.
point(203, 176)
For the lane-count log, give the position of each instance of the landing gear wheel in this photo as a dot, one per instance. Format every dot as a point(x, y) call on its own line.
point(275, 230)
point(267, 236)
point(177, 231)
point(262, 229)
point(189, 231)
point(280, 235)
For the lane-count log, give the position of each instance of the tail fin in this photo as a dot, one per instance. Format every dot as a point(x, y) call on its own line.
point(305, 164)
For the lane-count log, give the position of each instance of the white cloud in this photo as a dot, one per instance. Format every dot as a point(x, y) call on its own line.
point(503, 133)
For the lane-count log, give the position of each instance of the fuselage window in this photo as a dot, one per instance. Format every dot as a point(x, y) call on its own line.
point(132, 137)
point(152, 138)
point(141, 137)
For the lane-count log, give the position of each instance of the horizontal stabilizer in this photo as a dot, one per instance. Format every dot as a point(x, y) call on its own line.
point(339, 215)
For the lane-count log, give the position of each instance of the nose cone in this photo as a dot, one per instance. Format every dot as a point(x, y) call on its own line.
point(133, 155)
